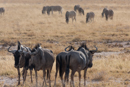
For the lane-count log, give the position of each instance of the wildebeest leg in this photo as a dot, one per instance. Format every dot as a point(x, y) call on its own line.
point(85, 76)
point(79, 78)
point(36, 78)
point(44, 78)
point(31, 76)
point(72, 78)
point(49, 73)
point(63, 83)
point(24, 75)
point(57, 68)
point(18, 76)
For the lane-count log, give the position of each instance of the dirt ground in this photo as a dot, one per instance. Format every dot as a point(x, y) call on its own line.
point(23, 21)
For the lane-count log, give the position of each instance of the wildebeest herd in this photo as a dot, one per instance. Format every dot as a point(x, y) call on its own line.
point(39, 58)
point(72, 14)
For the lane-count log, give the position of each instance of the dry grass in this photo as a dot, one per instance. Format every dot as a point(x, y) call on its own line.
point(24, 21)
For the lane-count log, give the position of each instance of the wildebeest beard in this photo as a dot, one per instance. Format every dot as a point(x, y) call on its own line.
point(16, 56)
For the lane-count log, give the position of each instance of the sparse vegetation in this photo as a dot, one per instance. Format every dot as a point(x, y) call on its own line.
point(24, 21)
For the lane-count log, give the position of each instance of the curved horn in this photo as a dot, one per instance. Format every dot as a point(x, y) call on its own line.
point(66, 48)
point(86, 48)
point(27, 49)
point(95, 50)
point(33, 53)
point(12, 51)
point(19, 44)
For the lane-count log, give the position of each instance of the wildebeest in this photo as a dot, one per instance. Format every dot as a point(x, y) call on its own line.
point(61, 64)
point(108, 13)
point(19, 63)
point(81, 11)
point(76, 7)
point(77, 61)
point(70, 14)
point(40, 59)
point(44, 9)
point(2, 10)
point(89, 16)
point(54, 8)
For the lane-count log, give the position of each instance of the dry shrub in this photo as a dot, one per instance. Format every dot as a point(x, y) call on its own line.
point(76, 39)
point(100, 76)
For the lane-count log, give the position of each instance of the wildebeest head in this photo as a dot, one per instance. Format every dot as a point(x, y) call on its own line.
point(16, 54)
point(84, 46)
point(25, 56)
point(28, 56)
point(90, 54)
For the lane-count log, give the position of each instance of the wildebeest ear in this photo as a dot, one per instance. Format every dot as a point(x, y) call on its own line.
point(19, 44)
point(92, 52)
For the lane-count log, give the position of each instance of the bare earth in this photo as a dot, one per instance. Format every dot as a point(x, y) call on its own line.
point(23, 21)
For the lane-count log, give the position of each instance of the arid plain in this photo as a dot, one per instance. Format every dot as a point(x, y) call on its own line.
point(23, 21)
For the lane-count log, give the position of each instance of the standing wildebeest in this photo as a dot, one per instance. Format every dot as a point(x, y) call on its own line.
point(76, 7)
point(54, 8)
point(108, 13)
point(44, 9)
point(61, 64)
point(2, 10)
point(40, 59)
point(70, 14)
point(89, 16)
point(81, 11)
point(77, 61)
point(19, 63)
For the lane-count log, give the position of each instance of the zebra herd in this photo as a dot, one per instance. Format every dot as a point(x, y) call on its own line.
point(72, 14)
point(39, 58)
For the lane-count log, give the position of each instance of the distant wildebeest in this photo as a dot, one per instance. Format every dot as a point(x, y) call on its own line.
point(44, 9)
point(81, 11)
point(77, 61)
point(54, 8)
point(19, 63)
point(2, 10)
point(61, 64)
point(108, 13)
point(76, 7)
point(40, 59)
point(89, 16)
point(70, 14)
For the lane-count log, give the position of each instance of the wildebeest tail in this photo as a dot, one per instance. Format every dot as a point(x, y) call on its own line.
point(59, 60)
point(67, 68)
